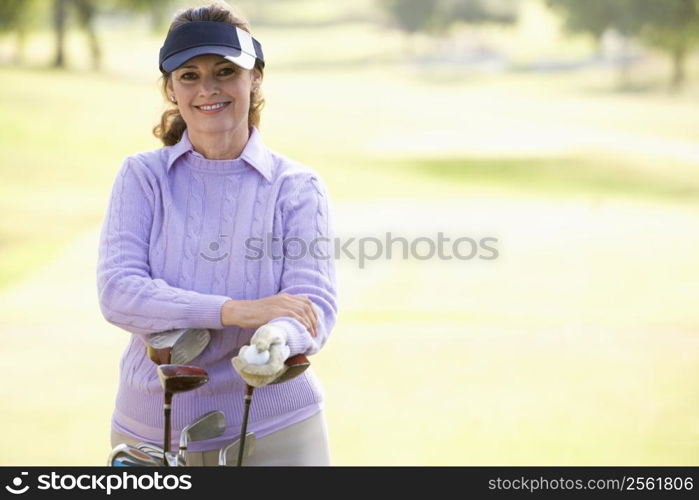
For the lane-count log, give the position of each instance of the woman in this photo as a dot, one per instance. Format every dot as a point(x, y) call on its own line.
point(216, 231)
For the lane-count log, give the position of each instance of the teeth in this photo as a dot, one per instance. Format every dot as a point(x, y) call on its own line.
point(212, 107)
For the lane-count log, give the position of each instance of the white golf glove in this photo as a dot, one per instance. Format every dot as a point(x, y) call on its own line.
point(262, 362)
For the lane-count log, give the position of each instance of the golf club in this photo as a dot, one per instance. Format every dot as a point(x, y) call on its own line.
point(175, 379)
point(157, 452)
point(178, 347)
point(295, 365)
point(208, 426)
point(124, 455)
point(151, 449)
point(232, 449)
point(173, 459)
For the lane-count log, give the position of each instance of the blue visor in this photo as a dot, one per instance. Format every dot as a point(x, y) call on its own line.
point(209, 37)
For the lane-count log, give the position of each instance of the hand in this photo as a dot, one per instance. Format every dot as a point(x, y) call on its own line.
point(268, 338)
point(255, 313)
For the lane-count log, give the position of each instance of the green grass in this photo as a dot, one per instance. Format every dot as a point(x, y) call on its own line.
point(469, 395)
point(599, 175)
point(63, 136)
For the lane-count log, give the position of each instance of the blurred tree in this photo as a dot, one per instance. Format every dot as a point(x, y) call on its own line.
point(478, 11)
point(14, 17)
point(595, 17)
point(426, 15)
point(670, 25)
point(411, 15)
point(59, 28)
point(86, 12)
point(157, 10)
point(436, 16)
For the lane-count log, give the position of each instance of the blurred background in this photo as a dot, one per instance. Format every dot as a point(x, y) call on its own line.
point(565, 129)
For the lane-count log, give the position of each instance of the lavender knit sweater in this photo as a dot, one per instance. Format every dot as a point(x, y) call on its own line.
point(178, 240)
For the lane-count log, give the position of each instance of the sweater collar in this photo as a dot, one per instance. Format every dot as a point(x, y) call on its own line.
point(254, 153)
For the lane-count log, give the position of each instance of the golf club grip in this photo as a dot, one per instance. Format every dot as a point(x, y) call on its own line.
point(246, 412)
point(166, 437)
point(167, 426)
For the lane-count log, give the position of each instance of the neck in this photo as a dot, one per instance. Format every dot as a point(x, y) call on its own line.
point(221, 145)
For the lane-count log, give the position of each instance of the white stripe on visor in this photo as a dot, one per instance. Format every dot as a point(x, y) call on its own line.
point(246, 59)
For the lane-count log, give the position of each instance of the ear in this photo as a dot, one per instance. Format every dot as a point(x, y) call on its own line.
point(168, 85)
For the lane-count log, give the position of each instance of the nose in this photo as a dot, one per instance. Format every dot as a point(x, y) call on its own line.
point(208, 86)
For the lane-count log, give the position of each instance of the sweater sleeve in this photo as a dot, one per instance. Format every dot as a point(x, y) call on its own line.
point(309, 265)
point(128, 296)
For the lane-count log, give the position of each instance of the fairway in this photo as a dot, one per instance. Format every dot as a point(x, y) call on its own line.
point(578, 345)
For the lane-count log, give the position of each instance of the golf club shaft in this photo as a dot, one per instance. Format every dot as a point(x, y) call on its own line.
point(167, 409)
point(244, 428)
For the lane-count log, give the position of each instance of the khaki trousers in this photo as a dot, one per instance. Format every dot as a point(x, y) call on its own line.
point(302, 444)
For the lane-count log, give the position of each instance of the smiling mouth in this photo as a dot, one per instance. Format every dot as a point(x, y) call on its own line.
point(212, 108)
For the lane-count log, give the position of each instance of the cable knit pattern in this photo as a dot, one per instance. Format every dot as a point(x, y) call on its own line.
point(176, 244)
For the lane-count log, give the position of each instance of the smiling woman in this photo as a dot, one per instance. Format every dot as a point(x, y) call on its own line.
point(213, 97)
point(172, 123)
point(173, 255)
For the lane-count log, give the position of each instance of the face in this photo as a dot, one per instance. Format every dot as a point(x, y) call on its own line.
point(210, 80)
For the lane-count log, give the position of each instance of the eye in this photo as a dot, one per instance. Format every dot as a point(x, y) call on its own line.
point(188, 76)
point(227, 71)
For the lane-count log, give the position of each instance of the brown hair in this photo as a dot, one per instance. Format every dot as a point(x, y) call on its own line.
point(172, 125)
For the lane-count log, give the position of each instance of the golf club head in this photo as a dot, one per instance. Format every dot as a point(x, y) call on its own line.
point(229, 453)
point(151, 449)
point(157, 452)
point(295, 366)
point(121, 461)
point(159, 356)
point(124, 455)
point(173, 459)
point(208, 426)
point(181, 378)
point(179, 346)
